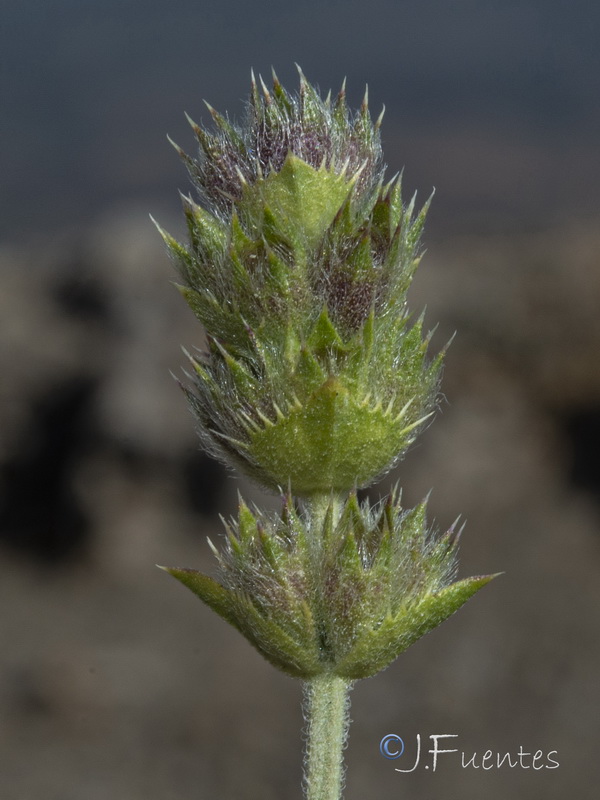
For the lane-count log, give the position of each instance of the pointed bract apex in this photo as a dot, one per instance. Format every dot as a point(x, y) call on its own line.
point(266, 93)
point(303, 81)
point(180, 152)
point(365, 103)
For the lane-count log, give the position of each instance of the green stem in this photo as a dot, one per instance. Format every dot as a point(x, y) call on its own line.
point(326, 696)
point(326, 709)
point(318, 504)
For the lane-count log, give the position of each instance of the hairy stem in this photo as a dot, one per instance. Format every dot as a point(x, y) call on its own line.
point(318, 505)
point(326, 710)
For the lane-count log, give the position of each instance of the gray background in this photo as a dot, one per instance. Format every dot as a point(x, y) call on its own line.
point(113, 681)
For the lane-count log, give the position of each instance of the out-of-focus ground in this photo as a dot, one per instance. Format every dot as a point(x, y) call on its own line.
point(116, 682)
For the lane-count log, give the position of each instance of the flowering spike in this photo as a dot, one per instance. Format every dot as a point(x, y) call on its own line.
point(300, 212)
point(315, 379)
point(299, 259)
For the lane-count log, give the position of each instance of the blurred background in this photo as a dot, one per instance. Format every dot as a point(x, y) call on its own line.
point(116, 682)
